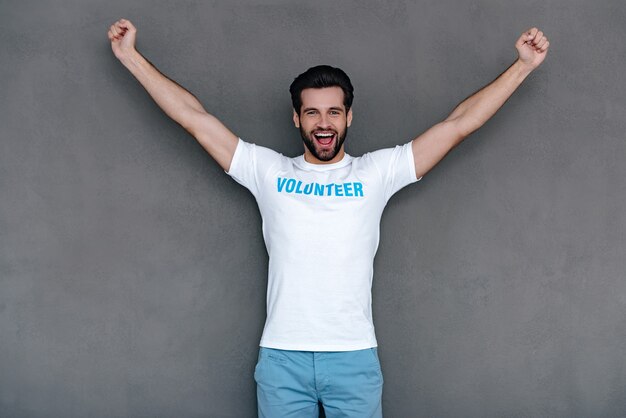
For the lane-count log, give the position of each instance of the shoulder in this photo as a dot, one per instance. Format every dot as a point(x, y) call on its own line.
point(388, 152)
point(382, 157)
point(257, 151)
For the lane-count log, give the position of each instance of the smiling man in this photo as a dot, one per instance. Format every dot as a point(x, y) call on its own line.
point(321, 214)
point(324, 120)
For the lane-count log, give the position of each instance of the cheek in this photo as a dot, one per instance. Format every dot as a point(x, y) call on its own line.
point(307, 125)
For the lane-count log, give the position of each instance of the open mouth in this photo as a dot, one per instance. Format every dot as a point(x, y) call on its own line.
point(324, 138)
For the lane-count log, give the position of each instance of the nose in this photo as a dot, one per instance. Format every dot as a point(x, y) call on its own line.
point(324, 121)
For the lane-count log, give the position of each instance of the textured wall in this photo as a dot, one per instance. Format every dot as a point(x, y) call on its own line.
point(133, 271)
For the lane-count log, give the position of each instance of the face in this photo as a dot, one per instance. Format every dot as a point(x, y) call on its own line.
point(323, 123)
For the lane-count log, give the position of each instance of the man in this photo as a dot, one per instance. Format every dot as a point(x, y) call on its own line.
point(321, 213)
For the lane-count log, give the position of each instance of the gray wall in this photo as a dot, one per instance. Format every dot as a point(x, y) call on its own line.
point(132, 268)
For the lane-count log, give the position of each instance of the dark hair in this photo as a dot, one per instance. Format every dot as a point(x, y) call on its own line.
point(318, 77)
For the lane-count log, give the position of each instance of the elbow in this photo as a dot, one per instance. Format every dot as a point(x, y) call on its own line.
point(466, 125)
point(192, 120)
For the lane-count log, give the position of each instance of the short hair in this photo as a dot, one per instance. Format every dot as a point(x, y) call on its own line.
point(318, 77)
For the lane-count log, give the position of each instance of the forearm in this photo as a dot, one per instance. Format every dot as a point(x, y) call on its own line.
point(477, 109)
point(176, 101)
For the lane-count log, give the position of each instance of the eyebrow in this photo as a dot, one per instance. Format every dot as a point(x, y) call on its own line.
point(313, 108)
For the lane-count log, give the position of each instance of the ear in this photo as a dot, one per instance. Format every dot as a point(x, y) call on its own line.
point(349, 117)
point(296, 119)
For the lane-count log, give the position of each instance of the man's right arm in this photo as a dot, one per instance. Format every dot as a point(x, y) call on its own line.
point(178, 103)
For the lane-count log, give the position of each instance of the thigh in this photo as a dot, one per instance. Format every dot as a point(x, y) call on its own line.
point(354, 385)
point(285, 384)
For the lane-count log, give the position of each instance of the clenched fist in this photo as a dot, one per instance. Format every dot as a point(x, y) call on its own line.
point(122, 35)
point(532, 47)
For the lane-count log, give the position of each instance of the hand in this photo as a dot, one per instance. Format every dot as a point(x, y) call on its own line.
point(532, 47)
point(122, 35)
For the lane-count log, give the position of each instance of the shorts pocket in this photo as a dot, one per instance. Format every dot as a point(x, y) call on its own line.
point(374, 354)
point(258, 364)
point(267, 358)
point(274, 355)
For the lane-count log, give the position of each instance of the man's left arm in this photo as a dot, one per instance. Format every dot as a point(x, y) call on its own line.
point(431, 146)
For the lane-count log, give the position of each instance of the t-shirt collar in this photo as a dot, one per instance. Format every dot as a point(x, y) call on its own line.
point(305, 165)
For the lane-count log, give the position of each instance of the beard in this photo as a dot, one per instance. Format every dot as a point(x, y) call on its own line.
point(325, 154)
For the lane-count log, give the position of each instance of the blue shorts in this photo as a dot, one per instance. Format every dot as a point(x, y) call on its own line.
point(291, 383)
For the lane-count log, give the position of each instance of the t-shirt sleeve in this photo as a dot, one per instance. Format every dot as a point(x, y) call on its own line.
point(396, 166)
point(250, 165)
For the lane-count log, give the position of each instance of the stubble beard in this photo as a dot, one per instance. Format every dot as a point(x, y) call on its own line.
point(326, 155)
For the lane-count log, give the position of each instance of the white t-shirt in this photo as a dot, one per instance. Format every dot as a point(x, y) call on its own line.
point(321, 229)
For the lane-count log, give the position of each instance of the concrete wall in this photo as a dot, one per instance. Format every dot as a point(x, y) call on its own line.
point(132, 268)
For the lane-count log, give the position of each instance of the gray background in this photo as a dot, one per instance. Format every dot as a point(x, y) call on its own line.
point(132, 268)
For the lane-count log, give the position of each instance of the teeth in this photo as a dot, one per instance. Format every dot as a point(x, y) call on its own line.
point(324, 135)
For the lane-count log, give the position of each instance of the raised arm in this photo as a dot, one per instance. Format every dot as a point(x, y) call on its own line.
point(178, 103)
point(431, 146)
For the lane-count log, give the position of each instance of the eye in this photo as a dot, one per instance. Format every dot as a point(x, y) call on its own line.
point(334, 112)
point(311, 112)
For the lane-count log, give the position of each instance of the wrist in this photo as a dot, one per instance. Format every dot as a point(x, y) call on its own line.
point(523, 69)
point(130, 58)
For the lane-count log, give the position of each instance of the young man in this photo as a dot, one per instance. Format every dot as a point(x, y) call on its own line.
point(321, 213)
